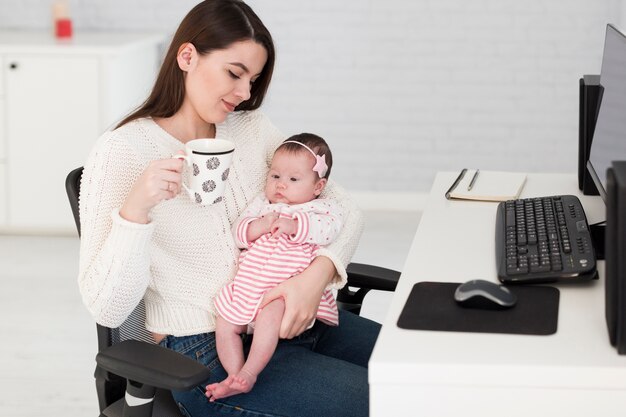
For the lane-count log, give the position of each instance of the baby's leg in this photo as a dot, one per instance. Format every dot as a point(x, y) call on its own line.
point(229, 350)
point(264, 341)
point(265, 337)
point(229, 345)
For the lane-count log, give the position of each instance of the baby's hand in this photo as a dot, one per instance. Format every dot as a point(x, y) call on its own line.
point(267, 221)
point(260, 226)
point(284, 225)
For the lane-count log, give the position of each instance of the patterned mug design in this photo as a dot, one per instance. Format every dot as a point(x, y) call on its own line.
point(208, 186)
point(212, 163)
point(209, 162)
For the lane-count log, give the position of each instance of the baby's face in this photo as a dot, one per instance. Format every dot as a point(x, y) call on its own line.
point(291, 178)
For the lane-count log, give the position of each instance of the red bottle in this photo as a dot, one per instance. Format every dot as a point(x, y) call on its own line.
point(63, 28)
point(61, 19)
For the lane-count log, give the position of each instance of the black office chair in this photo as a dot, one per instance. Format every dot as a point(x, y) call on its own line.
point(134, 376)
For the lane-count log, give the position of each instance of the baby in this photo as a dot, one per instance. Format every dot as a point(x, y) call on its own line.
point(281, 231)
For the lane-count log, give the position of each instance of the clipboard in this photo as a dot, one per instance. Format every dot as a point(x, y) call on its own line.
point(474, 184)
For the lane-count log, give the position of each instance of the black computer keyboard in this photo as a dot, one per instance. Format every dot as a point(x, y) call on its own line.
point(544, 239)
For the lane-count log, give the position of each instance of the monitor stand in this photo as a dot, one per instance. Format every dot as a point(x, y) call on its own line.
point(597, 238)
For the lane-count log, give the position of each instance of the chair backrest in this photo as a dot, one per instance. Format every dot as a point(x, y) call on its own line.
point(72, 187)
point(110, 388)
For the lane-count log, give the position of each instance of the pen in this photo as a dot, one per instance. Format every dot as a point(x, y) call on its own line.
point(471, 184)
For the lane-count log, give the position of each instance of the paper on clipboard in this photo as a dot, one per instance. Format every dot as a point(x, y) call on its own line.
point(487, 185)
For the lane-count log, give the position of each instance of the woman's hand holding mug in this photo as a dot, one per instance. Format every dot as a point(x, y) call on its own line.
point(161, 180)
point(209, 162)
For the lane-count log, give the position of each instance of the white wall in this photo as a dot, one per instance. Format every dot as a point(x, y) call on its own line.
point(403, 88)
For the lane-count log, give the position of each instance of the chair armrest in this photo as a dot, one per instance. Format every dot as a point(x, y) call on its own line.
point(152, 365)
point(372, 277)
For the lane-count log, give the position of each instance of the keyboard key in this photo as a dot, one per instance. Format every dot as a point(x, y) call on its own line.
point(510, 217)
point(516, 271)
point(540, 268)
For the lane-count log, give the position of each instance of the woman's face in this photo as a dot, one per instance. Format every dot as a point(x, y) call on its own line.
point(217, 82)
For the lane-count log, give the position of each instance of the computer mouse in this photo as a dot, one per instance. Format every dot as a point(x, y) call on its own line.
point(486, 295)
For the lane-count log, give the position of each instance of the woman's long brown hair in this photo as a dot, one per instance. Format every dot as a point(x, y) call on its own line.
point(210, 25)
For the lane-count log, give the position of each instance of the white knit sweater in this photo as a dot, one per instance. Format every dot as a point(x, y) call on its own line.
point(182, 258)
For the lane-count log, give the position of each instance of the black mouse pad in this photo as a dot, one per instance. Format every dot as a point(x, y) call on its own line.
point(431, 306)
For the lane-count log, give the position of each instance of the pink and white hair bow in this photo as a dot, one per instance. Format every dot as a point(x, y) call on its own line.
point(320, 161)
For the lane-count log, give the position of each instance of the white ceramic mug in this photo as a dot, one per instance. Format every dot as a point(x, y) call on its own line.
point(209, 165)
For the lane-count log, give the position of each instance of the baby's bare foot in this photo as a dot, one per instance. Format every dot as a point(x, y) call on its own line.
point(233, 385)
point(243, 381)
point(217, 388)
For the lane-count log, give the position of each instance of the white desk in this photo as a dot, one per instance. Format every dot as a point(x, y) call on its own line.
point(575, 372)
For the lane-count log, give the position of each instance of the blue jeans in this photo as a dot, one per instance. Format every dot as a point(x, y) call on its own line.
point(322, 372)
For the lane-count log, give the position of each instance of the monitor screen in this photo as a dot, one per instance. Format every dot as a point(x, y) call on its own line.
point(609, 137)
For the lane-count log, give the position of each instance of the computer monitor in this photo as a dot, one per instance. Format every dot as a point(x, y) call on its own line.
point(608, 150)
point(609, 137)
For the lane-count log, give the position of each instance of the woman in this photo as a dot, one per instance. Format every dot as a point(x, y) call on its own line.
point(142, 239)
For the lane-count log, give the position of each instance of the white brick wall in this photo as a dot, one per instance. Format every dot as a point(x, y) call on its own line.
point(404, 88)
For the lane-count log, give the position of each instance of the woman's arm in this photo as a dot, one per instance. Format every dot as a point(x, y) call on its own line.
point(341, 250)
point(302, 294)
point(114, 269)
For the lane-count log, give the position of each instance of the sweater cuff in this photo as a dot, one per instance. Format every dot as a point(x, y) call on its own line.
point(127, 236)
point(341, 278)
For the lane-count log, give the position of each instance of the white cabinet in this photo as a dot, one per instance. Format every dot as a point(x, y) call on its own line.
point(3, 181)
point(3, 194)
point(56, 100)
